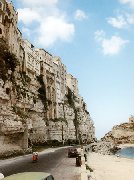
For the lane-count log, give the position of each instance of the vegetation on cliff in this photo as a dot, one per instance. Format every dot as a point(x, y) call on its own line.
point(70, 98)
point(42, 91)
point(8, 61)
point(21, 113)
point(71, 102)
point(22, 93)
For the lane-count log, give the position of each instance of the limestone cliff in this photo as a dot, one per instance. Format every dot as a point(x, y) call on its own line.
point(24, 105)
point(120, 134)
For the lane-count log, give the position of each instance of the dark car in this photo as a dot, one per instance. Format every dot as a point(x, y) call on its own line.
point(72, 152)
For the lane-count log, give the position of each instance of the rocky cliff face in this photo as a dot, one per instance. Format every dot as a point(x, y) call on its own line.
point(23, 110)
point(103, 147)
point(123, 133)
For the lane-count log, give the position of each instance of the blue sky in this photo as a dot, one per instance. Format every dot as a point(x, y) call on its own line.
point(95, 39)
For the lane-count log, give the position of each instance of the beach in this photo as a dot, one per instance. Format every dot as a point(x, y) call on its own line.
point(110, 167)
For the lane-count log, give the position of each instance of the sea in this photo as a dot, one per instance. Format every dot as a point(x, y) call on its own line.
point(127, 152)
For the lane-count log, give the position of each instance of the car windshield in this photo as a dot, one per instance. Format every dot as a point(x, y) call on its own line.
point(49, 178)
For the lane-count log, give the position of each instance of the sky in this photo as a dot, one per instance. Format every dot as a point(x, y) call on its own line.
point(95, 40)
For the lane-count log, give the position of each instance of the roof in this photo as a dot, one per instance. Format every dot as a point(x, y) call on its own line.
point(28, 176)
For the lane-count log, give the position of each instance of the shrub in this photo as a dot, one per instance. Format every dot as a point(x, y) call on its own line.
point(42, 91)
point(8, 61)
point(25, 78)
point(88, 168)
point(23, 115)
point(70, 98)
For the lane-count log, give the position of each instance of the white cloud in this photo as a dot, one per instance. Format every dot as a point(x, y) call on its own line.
point(129, 2)
point(54, 29)
point(26, 32)
point(39, 3)
point(27, 15)
point(47, 21)
point(110, 46)
point(118, 22)
point(99, 35)
point(130, 18)
point(113, 46)
point(121, 21)
point(80, 15)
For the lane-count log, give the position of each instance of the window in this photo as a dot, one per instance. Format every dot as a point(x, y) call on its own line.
point(1, 5)
point(0, 31)
point(1, 18)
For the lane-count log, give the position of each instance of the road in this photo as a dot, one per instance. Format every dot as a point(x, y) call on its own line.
point(52, 161)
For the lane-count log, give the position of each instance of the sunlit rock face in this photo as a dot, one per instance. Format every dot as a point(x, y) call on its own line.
point(120, 134)
point(73, 125)
point(39, 100)
point(103, 147)
point(18, 113)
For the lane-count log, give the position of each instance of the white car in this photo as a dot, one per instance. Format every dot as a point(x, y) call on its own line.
point(30, 176)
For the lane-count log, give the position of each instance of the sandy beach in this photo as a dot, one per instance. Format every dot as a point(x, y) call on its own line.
point(106, 167)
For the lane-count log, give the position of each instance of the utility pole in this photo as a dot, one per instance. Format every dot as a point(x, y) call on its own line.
point(62, 135)
point(25, 137)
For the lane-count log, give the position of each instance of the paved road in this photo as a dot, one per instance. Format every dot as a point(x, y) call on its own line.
point(55, 162)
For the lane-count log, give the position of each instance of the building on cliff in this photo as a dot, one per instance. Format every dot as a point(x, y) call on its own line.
point(72, 83)
point(32, 60)
point(8, 26)
point(39, 100)
point(47, 71)
point(131, 119)
point(60, 83)
point(3, 13)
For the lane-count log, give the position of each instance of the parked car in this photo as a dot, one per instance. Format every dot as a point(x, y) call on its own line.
point(72, 152)
point(30, 176)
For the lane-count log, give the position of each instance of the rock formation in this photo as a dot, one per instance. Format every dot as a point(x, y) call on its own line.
point(39, 101)
point(120, 134)
point(103, 147)
point(24, 108)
